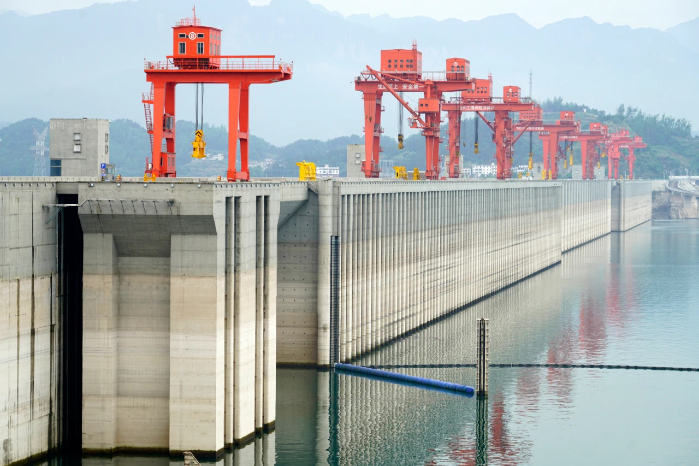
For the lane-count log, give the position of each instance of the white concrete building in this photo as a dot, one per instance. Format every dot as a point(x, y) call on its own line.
point(78, 147)
point(483, 170)
point(355, 156)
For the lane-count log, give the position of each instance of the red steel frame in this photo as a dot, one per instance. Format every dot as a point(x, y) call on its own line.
point(432, 85)
point(550, 134)
point(588, 142)
point(611, 145)
point(237, 71)
point(501, 126)
point(631, 158)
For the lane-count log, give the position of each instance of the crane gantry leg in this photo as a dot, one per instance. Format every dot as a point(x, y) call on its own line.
point(631, 159)
point(545, 173)
point(372, 134)
point(233, 112)
point(454, 163)
point(244, 117)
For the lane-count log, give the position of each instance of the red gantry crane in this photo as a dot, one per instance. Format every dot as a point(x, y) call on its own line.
point(401, 71)
point(549, 133)
point(588, 142)
point(637, 143)
point(611, 145)
point(480, 100)
point(197, 59)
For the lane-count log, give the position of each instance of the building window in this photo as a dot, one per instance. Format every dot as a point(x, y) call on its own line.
point(55, 169)
point(77, 137)
point(183, 48)
point(106, 137)
point(183, 35)
point(76, 147)
point(200, 48)
point(106, 149)
point(200, 35)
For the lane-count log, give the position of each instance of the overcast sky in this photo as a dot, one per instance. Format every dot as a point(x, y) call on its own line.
point(634, 13)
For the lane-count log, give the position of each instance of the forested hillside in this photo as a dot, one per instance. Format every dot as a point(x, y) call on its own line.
point(671, 146)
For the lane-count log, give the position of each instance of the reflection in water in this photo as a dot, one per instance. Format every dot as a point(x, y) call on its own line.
point(482, 431)
point(608, 302)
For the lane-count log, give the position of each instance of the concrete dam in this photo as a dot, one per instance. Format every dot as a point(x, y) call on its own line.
point(152, 317)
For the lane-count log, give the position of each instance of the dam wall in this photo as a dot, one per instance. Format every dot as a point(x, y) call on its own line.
point(30, 323)
point(151, 317)
point(586, 211)
point(409, 253)
point(632, 203)
point(179, 315)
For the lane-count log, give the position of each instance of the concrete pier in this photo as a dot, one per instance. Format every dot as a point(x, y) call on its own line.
point(30, 323)
point(180, 315)
point(632, 203)
point(180, 298)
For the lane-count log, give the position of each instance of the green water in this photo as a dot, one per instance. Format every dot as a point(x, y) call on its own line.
point(630, 299)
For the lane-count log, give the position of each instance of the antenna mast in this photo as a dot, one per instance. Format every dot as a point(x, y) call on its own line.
point(39, 151)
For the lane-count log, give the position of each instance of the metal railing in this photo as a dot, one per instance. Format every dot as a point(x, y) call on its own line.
point(229, 63)
point(496, 100)
point(188, 22)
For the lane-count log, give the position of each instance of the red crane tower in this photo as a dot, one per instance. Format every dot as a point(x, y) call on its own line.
point(550, 135)
point(197, 59)
point(631, 158)
point(612, 144)
point(479, 99)
point(588, 142)
point(401, 71)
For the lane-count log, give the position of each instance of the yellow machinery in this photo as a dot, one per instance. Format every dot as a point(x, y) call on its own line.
point(519, 175)
point(307, 171)
point(148, 177)
point(401, 174)
point(400, 141)
point(416, 174)
point(598, 165)
point(198, 145)
point(565, 163)
point(531, 161)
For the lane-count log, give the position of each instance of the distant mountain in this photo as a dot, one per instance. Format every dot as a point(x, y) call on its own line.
point(687, 33)
point(89, 62)
point(671, 146)
point(19, 12)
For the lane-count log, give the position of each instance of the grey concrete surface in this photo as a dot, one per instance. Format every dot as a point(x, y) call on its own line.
point(80, 144)
point(30, 324)
point(632, 203)
point(193, 291)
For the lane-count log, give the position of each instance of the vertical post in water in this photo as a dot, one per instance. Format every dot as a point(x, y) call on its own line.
point(334, 300)
point(483, 354)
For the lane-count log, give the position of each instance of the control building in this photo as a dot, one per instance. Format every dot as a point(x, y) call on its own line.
point(78, 147)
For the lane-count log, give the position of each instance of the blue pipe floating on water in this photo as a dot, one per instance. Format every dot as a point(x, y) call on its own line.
point(411, 379)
